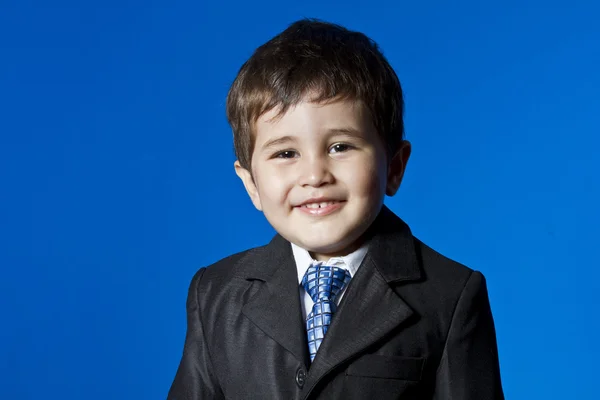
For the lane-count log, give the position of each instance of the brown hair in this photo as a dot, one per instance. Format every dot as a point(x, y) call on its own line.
point(312, 56)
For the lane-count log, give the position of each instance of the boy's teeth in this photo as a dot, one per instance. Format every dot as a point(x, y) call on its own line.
point(318, 205)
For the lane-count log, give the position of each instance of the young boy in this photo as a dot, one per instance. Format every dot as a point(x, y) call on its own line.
point(344, 303)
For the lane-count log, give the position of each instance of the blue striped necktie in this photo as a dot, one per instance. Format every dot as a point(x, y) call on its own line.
point(323, 283)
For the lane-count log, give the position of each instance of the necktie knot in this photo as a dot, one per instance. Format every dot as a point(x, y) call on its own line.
point(324, 282)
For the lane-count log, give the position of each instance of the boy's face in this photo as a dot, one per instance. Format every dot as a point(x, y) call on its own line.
point(320, 173)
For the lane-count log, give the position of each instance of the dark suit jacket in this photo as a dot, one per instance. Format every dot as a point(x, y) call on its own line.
point(412, 325)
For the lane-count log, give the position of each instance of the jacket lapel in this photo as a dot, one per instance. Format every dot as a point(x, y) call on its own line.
point(370, 308)
point(275, 309)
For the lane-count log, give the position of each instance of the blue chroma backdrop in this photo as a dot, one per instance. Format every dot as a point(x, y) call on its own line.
point(117, 182)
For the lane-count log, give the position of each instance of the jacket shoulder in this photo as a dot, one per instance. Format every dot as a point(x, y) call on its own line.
point(445, 274)
point(224, 274)
point(435, 259)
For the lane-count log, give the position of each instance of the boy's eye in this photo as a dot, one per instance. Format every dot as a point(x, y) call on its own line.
point(340, 148)
point(286, 154)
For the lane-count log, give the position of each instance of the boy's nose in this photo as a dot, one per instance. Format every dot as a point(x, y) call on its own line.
point(315, 173)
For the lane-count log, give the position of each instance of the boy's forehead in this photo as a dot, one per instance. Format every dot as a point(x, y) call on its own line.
point(316, 111)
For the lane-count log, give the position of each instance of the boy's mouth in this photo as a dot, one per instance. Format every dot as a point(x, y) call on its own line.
point(320, 207)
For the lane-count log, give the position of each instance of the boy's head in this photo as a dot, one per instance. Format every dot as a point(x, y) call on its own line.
point(317, 118)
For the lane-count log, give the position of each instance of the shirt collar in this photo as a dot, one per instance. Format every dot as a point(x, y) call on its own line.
point(351, 262)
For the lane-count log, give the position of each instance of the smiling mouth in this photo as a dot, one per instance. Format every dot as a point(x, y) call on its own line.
point(321, 208)
point(319, 205)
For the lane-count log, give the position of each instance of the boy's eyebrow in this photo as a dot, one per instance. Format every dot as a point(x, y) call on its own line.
point(345, 131)
point(278, 141)
point(291, 139)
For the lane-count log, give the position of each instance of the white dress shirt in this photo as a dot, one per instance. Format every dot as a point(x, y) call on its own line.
point(351, 262)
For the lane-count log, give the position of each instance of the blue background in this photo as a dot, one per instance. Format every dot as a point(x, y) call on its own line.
point(117, 181)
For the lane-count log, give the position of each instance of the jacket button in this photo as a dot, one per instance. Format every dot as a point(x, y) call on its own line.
point(301, 377)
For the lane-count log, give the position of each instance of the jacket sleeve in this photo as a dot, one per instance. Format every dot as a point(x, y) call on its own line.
point(469, 367)
point(194, 378)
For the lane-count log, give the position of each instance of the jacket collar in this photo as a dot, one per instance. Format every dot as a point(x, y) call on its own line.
point(392, 248)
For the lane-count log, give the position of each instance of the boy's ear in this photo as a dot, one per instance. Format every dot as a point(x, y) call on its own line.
point(397, 167)
point(249, 184)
